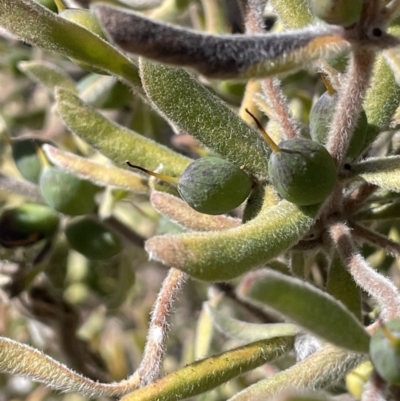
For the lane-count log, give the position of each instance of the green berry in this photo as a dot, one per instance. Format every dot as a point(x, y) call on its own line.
point(320, 119)
point(26, 158)
point(27, 224)
point(384, 351)
point(92, 239)
point(338, 12)
point(302, 171)
point(67, 193)
point(212, 185)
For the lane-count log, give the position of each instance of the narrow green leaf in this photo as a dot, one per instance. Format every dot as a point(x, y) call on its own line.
point(38, 26)
point(204, 375)
point(224, 255)
point(312, 309)
point(178, 211)
point(195, 110)
point(47, 74)
point(98, 173)
point(293, 14)
point(23, 360)
point(246, 331)
point(318, 371)
point(381, 171)
point(342, 286)
point(114, 141)
point(389, 211)
point(227, 56)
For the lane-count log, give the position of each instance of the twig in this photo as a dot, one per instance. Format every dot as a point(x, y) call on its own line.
point(372, 282)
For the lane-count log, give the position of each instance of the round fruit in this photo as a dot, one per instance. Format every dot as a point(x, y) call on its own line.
point(26, 158)
point(92, 239)
point(338, 12)
point(302, 171)
point(320, 119)
point(67, 193)
point(26, 224)
point(212, 185)
point(384, 351)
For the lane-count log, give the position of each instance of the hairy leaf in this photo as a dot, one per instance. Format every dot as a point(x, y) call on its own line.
point(114, 141)
point(204, 375)
point(98, 173)
point(40, 27)
point(195, 110)
point(227, 56)
point(381, 171)
point(307, 374)
point(293, 13)
point(246, 331)
point(311, 308)
point(341, 285)
point(182, 214)
point(224, 255)
point(47, 74)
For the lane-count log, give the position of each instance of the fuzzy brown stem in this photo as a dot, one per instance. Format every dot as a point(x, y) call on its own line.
point(351, 95)
point(150, 368)
point(375, 284)
point(358, 196)
point(378, 240)
point(271, 87)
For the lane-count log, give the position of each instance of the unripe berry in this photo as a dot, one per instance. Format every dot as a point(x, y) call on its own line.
point(92, 238)
point(26, 224)
point(210, 185)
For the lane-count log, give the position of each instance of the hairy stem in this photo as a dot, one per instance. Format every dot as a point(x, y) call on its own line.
point(150, 368)
point(376, 285)
point(351, 95)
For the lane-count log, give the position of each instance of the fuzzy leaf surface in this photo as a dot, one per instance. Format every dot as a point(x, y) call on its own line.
point(312, 309)
point(40, 27)
point(308, 375)
point(114, 141)
point(204, 375)
point(195, 110)
point(293, 14)
point(381, 171)
point(181, 213)
point(47, 74)
point(246, 331)
point(224, 255)
point(238, 56)
point(99, 174)
point(341, 285)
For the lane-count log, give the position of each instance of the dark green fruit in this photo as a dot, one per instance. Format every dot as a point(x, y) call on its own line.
point(338, 12)
point(67, 193)
point(27, 224)
point(320, 119)
point(92, 239)
point(384, 351)
point(213, 185)
point(210, 185)
point(26, 157)
point(302, 171)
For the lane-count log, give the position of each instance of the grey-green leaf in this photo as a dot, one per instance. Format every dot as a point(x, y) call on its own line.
point(40, 27)
point(381, 171)
point(224, 255)
point(246, 331)
point(225, 56)
point(47, 74)
point(312, 309)
point(195, 110)
point(114, 141)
